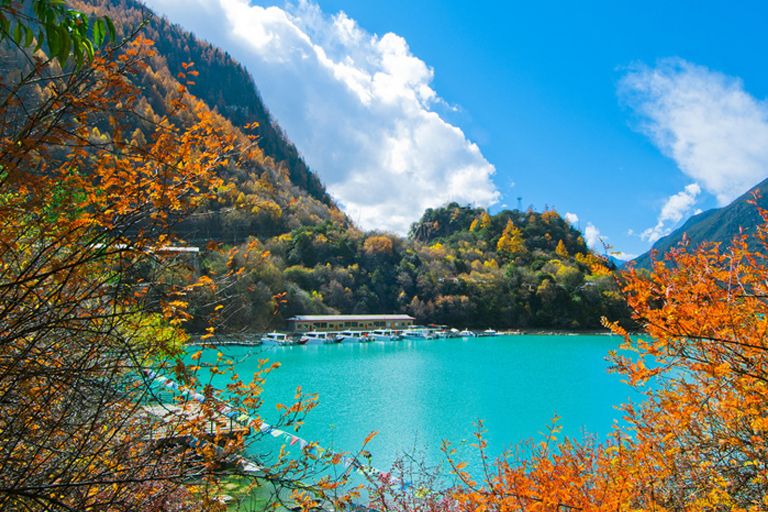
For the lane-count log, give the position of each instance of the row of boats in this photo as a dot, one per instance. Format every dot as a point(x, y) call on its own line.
point(323, 337)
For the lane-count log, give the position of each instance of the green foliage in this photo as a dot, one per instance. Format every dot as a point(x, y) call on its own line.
point(465, 278)
point(63, 33)
point(440, 222)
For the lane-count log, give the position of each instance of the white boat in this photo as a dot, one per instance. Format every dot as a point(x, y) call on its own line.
point(385, 335)
point(467, 334)
point(280, 338)
point(360, 336)
point(323, 337)
point(489, 332)
point(419, 333)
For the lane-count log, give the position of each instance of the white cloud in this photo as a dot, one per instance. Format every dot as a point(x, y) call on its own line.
point(624, 256)
point(356, 105)
point(704, 120)
point(593, 238)
point(673, 211)
point(572, 218)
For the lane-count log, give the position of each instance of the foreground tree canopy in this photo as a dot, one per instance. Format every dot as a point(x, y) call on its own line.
point(696, 441)
point(86, 322)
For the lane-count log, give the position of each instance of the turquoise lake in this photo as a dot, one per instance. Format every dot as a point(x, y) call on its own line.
point(417, 393)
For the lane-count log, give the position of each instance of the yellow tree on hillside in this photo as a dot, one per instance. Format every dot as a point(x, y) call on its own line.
point(511, 241)
point(485, 220)
point(561, 250)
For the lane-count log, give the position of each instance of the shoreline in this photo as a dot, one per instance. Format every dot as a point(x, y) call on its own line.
point(243, 339)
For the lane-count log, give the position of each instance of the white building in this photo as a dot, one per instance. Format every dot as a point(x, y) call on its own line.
point(304, 323)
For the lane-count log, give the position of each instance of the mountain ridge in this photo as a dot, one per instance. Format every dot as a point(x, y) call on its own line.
point(272, 193)
point(718, 225)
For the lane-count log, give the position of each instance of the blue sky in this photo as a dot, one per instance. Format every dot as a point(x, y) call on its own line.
point(626, 117)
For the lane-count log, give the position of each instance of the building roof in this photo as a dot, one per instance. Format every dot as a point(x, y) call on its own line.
point(347, 318)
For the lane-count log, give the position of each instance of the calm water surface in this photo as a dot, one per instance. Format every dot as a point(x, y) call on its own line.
point(419, 393)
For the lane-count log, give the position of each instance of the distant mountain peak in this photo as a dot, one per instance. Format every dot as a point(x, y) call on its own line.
point(717, 225)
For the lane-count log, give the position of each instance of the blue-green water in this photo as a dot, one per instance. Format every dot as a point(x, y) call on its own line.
point(419, 393)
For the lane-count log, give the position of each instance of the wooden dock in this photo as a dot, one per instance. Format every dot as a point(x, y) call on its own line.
point(185, 420)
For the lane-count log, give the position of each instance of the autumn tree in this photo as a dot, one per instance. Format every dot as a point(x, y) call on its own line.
point(511, 241)
point(87, 220)
point(703, 428)
point(697, 438)
point(561, 250)
point(378, 245)
point(485, 220)
point(79, 217)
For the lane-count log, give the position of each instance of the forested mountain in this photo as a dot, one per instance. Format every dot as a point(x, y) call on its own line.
point(293, 252)
point(718, 225)
point(275, 191)
point(509, 270)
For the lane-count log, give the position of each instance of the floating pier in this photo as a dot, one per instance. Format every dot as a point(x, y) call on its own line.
point(177, 419)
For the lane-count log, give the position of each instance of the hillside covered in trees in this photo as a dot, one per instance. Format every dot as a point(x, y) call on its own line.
point(460, 266)
point(268, 194)
point(272, 223)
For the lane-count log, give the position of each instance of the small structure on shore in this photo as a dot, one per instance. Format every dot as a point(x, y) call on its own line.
point(303, 323)
point(177, 416)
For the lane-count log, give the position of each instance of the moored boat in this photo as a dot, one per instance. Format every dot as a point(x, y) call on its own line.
point(360, 336)
point(280, 338)
point(418, 333)
point(385, 335)
point(323, 337)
